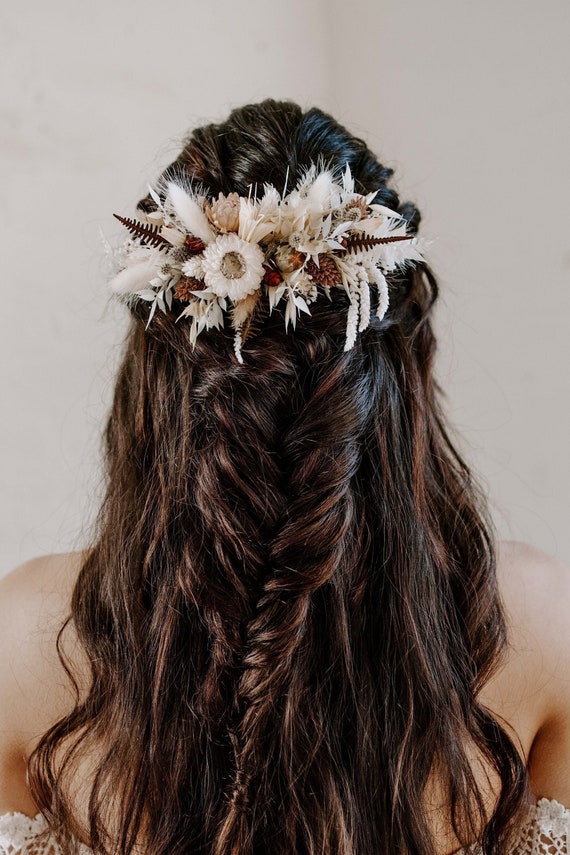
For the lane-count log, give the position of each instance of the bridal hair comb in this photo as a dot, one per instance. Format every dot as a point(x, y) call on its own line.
point(216, 256)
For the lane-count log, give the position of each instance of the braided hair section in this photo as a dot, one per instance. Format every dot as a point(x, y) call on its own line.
point(279, 734)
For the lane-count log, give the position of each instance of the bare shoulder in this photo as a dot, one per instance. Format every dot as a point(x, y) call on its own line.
point(535, 588)
point(532, 688)
point(527, 572)
point(34, 603)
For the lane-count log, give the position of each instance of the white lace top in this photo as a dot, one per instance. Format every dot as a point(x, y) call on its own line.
point(546, 833)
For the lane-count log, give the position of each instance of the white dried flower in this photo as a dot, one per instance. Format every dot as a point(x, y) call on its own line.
point(194, 267)
point(322, 233)
point(233, 267)
point(224, 212)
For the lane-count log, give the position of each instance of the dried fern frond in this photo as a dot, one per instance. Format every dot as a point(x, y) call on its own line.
point(252, 325)
point(358, 242)
point(145, 232)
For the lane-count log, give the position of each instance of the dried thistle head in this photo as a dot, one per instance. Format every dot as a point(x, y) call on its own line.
point(355, 210)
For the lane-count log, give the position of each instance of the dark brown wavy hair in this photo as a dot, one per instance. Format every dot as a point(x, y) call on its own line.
point(290, 602)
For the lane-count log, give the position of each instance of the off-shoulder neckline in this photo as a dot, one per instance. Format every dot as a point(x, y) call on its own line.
point(544, 808)
point(552, 806)
point(20, 815)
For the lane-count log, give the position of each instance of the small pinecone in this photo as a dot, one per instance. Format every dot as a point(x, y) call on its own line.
point(185, 286)
point(194, 244)
point(326, 273)
point(271, 277)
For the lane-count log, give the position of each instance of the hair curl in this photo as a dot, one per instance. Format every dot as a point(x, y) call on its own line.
point(290, 603)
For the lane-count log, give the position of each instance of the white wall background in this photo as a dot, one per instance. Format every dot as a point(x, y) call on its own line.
point(468, 102)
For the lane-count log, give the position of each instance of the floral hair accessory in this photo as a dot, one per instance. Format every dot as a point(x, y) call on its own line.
point(206, 253)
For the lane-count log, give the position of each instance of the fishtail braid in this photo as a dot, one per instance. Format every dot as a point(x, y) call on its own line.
point(313, 547)
point(240, 505)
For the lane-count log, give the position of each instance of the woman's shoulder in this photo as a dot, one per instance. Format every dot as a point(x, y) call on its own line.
point(528, 576)
point(530, 689)
point(34, 689)
point(534, 587)
point(35, 599)
point(535, 590)
point(533, 584)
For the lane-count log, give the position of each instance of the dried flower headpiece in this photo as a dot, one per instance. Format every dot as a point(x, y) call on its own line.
point(206, 252)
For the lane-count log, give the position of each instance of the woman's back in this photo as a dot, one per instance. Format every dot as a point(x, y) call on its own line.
point(530, 693)
point(294, 635)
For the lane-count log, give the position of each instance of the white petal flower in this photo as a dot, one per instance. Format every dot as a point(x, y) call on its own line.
point(275, 292)
point(194, 267)
point(322, 215)
point(269, 204)
point(253, 224)
point(387, 212)
point(233, 267)
point(155, 218)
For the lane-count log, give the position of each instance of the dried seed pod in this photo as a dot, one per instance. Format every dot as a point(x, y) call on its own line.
point(194, 244)
point(185, 287)
point(326, 273)
point(289, 259)
point(272, 277)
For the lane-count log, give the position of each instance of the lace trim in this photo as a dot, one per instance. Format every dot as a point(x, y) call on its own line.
point(548, 830)
point(19, 835)
point(546, 833)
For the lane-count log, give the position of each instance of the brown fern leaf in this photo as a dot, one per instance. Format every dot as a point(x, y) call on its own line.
point(254, 321)
point(145, 233)
point(358, 242)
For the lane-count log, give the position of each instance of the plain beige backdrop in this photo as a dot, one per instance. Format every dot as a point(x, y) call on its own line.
point(468, 102)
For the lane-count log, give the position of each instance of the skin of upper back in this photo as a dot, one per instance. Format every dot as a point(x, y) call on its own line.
point(530, 691)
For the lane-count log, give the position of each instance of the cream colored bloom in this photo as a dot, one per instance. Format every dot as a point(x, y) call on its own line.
point(194, 267)
point(224, 212)
point(233, 267)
